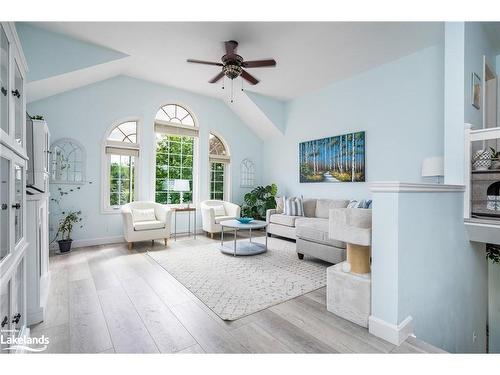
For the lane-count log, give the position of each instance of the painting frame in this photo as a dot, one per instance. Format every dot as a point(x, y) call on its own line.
point(334, 159)
point(476, 91)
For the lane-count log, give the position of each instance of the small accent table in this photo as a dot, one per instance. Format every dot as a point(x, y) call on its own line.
point(242, 247)
point(188, 210)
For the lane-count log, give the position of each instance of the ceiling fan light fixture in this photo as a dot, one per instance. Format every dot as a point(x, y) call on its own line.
point(232, 71)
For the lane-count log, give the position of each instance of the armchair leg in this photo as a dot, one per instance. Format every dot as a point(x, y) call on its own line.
point(301, 256)
point(166, 241)
point(130, 245)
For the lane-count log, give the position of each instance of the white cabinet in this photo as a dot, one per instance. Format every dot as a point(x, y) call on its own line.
point(13, 164)
point(38, 148)
point(37, 256)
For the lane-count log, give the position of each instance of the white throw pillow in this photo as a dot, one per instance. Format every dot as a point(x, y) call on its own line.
point(219, 210)
point(147, 214)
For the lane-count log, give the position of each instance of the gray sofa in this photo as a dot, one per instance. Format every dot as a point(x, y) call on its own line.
point(311, 230)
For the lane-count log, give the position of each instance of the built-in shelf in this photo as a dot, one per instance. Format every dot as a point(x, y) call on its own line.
point(483, 230)
point(487, 171)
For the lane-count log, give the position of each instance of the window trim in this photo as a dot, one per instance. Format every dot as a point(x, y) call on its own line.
point(196, 153)
point(106, 159)
point(227, 168)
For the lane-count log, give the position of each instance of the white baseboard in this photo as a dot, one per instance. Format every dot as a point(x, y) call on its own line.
point(90, 242)
point(395, 334)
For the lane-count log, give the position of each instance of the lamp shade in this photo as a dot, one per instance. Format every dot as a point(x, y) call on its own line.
point(181, 185)
point(433, 167)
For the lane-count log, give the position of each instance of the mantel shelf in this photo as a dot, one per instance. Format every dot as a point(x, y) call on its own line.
point(483, 230)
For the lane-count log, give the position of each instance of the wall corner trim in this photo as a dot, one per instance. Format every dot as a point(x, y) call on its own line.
point(395, 334)
point(413, 187)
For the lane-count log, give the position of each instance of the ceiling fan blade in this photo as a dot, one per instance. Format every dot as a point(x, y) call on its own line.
point(217, 77)
point(204, 62)
point(258, 63)
point(231, 46)
point(250, 78)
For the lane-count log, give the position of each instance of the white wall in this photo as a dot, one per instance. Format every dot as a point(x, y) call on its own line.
point(86, 113)
point(399, 105)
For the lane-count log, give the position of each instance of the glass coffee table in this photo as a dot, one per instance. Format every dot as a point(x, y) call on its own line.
point(242, 247)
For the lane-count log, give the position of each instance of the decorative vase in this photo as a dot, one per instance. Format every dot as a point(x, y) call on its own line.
point(495, 164)
point(65, 245)
point(481, 160)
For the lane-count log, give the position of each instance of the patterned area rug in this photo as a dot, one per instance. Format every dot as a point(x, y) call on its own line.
point(234, 287)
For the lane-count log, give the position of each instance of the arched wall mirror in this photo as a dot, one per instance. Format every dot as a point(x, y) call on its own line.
point(67, 162)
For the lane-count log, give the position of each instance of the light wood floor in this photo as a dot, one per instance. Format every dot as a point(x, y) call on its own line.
point(106, 299)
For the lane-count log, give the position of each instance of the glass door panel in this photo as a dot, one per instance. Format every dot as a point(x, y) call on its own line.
point(4, 314)
point(17, 316)
point(4, 207)
point(18, 106)
point(4, 81)
point(18, 202)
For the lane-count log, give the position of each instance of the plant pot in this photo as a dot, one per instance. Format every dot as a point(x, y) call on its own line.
point(65, 245)
point(481, 160)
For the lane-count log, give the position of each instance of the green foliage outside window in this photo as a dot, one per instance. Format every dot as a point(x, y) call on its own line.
point(121, 181)
point(217, 181)
point(174, 160)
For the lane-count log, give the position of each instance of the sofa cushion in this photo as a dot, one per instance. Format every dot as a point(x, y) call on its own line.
point(283, 219)
point(218, 219)
point(146, 214)
point(309, 207)
point(323, 206)
point(316, 230)
point(148, 225)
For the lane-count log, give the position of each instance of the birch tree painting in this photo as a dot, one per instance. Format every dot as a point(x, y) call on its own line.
point(334, 159)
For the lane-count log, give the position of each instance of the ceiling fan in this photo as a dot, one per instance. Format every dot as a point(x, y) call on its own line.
point(233, 64)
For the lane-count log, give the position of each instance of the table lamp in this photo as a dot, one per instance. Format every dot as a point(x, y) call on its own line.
point(433, 167)
point(181, 186)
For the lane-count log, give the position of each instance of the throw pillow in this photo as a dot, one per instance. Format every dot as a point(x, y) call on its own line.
point(352, 204)
point(147, 214)
point(219, 210)
point(279, 204)
point(293, 206)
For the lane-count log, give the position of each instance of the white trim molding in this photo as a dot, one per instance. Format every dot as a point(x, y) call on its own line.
point(91, 242)
point(395, 334)
point(413, 187)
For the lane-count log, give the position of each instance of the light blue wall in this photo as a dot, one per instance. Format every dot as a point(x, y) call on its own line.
point(454, 51)
point(443, 275)
point(86, 113)
point(399, 105)
point(477, 44)
point(273, 108)
point(50, 54)
point(425, 268)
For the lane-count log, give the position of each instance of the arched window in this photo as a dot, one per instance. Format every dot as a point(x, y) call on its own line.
point(219, 168)
point(121, 154)
point(176, 144)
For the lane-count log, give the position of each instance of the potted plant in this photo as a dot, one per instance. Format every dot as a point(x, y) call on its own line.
point(259, 200)
point(495, 159)
point(65, 228)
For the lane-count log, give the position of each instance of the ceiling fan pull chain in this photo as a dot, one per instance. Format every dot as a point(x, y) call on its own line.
point(232, 81)
point(241, 84)
point(223, 80)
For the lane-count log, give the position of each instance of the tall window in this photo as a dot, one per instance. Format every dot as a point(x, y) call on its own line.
point(176, 139)
point(122, 153)
point(219, 168)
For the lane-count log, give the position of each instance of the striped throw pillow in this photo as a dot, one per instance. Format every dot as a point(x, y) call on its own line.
point(293, 206)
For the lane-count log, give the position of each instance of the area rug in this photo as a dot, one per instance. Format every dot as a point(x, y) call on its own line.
point(233, 287)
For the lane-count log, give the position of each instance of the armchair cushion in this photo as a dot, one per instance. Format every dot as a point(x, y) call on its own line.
point(219, 210)
point(218, 219)
point(146, 214)
point(148, 225)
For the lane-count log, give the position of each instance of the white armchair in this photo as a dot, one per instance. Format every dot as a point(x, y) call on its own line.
point(215, 211)
point(143, 225)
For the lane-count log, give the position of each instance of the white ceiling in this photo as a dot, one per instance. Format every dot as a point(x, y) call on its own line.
point(308, 55)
